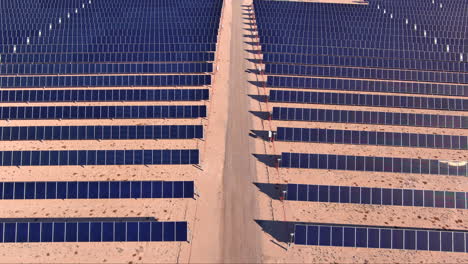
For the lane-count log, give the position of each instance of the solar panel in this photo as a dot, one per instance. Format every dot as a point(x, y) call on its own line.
point(367, 117)
point(104, 68)
point(96, 190)
point(107, 95)
point(377, 196)
point(103, 81)
point(101, 112)
point(99, 157)
point(373, 164)
point(101, 132)
point(368, 100)
point(92, 231)
point(350, 72)
point(380, 237)
point(336, 136)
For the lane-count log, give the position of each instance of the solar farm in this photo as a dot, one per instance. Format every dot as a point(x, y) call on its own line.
point(251, 131)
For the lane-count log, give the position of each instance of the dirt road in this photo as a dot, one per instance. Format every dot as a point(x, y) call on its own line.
point(240, 233)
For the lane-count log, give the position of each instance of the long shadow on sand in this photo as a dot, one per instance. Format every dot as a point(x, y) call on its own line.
point(261, 134)
point(260, 98)
point(274, 191)
point(269, 160)
point(279, 230)
point(261, 114)
point(257, 83)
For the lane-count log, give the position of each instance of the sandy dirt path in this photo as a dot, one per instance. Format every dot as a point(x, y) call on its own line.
point(240, 233)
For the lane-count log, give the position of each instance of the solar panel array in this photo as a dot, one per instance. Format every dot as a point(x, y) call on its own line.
point(93, 52)
point(101, 112)
point(92, 231)
point(367, 86)
point(96, 190)
point(100, 132)
point(394, 139)
point(370, 118)
point(385, 54)
point(381, 237)
point(99, 157)
point(368, 100)
point(373, 164)
point(136, 95)
point(376, 196)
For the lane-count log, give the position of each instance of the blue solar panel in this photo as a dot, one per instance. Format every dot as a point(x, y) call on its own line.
point(377, 196)
point(373, 164)
point(99, 132)
point(367, 117)
point(379, 237)
point(371, 138)
point(101, 112)
point(368, 100)
point(103, 95)
point(106, 157)
point(103, 81)
point(70, 231)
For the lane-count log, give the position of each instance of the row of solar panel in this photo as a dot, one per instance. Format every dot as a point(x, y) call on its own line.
point(19, 30)
point(363, 44)
point(103, 95)
point(381, 237)
point(367, 86)
point(96, 231)
point(104, 81)
point(96, 34)
point(96, 190)
point(107, 57)
point(94, 48)
point(107, 68)
point(151, 23)
point(307, 28)
point(356, 51)
point(398, 28)
point(365, 62)
point(371, 100)
point(375, 164)
point(105, 40)
point(376, 196)
point(101, 112)
point(101, 132)
point(98, 157)
point(359, 73)
point(337, 30)
point(381, 21)
point(350, 19)
point(379, 29)
point(80, 27)
point(417, 41)
point(367, 117)
point(360, 44)
point(372, 138)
